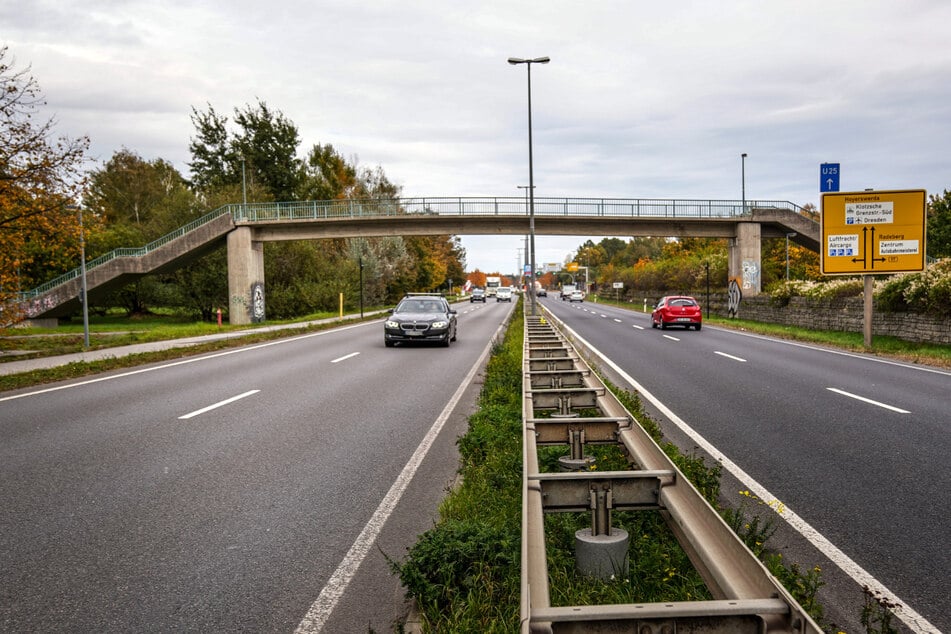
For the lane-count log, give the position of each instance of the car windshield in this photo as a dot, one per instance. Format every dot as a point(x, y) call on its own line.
point(420, 306)
point(682, 302)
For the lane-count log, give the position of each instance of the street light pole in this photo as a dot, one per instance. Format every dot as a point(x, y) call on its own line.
point(743, 178)
point(244, 188)
point(788, 236)
point(531, 177)
point(527, 252)
point(82, 266)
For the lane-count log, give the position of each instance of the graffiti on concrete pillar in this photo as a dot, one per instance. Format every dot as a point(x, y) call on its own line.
point(257, 303)
point(734, 296)
point(750, 274)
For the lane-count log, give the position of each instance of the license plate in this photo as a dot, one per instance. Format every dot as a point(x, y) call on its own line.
point(414, 333)
point(683, 319)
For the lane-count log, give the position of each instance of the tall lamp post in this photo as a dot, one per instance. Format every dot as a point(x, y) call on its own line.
point(531, 177)
point(743, 179)
point(788, 236)
point(82, 266)
point(531, 215)
point(244, 186)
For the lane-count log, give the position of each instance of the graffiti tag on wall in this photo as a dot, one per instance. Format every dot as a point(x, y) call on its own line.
point(257, 303)
point(750, 274)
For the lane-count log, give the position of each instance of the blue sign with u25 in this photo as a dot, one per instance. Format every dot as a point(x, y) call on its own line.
point(829, 177)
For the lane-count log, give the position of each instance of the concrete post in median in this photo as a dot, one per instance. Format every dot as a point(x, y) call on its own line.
point(245, 278)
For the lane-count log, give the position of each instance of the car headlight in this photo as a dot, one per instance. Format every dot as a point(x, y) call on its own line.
point(392, 324)
point(440, 324)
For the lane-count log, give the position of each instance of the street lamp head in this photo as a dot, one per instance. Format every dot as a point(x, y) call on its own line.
point(537, 60)
point(743, 155)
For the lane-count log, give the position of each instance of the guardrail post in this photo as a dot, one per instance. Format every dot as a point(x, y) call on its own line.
point(601, 551)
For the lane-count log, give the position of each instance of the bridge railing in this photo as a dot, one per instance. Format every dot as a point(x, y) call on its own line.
point(502, 206)
point(448, 206)
point(125, 252)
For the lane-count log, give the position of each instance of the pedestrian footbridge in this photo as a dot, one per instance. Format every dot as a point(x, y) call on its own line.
point(244, 228)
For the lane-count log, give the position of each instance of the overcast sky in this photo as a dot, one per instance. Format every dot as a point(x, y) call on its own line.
point(640, 100)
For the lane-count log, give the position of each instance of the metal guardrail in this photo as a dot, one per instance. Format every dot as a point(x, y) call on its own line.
point(448, 206)
point(746, 597)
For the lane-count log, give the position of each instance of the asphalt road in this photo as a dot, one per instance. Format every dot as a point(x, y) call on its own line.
point(855, 445)
point(255, 489)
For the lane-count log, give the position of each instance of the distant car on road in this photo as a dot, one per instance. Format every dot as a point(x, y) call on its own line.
point(541, 293)
point(420, 317)
point(478, 295)
point(503, 294)
point(677, 310)
point(576, 296)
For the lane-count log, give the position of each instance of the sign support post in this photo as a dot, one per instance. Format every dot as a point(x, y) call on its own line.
point(872, 233)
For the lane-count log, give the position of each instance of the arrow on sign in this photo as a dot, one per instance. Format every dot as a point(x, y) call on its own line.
point(874, 260)
point(865, 250)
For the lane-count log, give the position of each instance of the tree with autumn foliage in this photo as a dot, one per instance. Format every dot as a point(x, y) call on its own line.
point(40, 181)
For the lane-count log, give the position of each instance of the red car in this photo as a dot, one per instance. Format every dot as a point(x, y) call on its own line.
point(677, 310)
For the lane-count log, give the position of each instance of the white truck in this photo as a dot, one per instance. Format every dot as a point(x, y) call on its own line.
point(566, 291)
point(492, 284)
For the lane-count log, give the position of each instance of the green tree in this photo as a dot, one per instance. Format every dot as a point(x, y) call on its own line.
point(327, 176)
point(939, 225)
point(40, 180)
point(267, 140)
point(138, 200)
point(214, 162)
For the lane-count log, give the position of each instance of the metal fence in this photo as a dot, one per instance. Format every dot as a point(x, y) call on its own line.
point(504, 206)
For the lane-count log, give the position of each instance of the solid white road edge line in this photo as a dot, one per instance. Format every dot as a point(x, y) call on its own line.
point(320, 611)
point(218, 404)
point(907, 615)
point(345, 357)
point(868, 400)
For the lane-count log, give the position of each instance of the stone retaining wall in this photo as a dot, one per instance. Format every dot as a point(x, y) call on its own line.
point(842, 314)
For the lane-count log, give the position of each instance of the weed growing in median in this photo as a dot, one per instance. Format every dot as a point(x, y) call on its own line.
point(753, 529)
point(877, 614)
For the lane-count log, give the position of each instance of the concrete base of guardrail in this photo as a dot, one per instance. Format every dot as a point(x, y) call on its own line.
point(566, 463)
point(602, 556)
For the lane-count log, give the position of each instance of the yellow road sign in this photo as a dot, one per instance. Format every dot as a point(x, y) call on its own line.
point(571, 267)
point(873, 232)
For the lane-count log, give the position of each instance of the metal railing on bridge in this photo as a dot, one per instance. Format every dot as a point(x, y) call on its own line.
point(504, 206)
point(125, 252)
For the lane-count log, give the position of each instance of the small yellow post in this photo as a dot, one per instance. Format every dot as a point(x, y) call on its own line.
point(341, 305)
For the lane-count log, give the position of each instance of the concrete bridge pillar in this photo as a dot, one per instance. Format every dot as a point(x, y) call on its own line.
point(245, 278)
point(745, 261)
